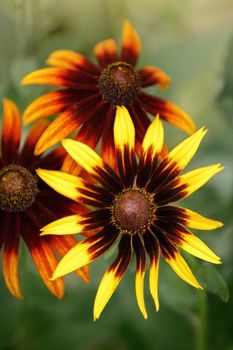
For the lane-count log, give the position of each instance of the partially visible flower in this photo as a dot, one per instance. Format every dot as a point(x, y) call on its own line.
point(134, 208)
point(27, 204)
point(90, 94)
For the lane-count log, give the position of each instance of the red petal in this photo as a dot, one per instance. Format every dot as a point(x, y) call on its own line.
point(108, 152)
point(11, 131)
point(52, 103)
point(10, 255)
point(167, 111)
point(106, 52)
point(131, 44)
point(43, 257)
point(152, 76)
point(62, 77)
point(67, 122)
point(27, 157)
point(72, 60)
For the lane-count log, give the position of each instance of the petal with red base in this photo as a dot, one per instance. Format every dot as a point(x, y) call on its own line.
point(62, 77)
point(72, 60)
point(11, 131)
point(51, 103)
point(11, 254)
point(168, 112)
point(131, 44)
point(106, 52)
point(153, 76)
point(44, 258)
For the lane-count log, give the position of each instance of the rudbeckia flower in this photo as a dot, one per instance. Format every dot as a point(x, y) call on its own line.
point(27, 204)
point(90, 93)
point(134, 209)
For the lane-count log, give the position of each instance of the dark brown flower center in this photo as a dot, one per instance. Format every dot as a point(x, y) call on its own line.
point(119, 83)
point(18, 188)
point(133, 210)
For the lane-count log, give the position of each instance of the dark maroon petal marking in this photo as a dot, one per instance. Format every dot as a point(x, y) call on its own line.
point(108, 179)
point(124, 256)
point(127, 165)
point(164, 173)
point(141, 122)
point(107, 146)
point(140, 253)
point(97, 218)
point(167, 247)
point(171, 214)
point(152, 245)
point(171, 192)
point(146, 168)
point(102, 241)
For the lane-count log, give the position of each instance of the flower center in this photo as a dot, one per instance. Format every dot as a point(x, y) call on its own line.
point(133, 210)
point(18, 188)
point(119, 83)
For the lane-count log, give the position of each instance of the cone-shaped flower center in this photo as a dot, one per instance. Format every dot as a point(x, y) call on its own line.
point(18, 188)
point(119, 83)
point(132, 210)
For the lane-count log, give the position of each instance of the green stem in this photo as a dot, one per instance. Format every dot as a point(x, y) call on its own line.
point(201, 343)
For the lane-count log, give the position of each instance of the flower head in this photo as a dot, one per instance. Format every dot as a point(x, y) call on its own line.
point(27, 204)
point(90, 94)
point(133, 207)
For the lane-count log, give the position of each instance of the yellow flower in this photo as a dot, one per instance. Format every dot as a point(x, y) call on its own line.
point(134, 207)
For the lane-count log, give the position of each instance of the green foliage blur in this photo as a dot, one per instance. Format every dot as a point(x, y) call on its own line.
point(192, 41)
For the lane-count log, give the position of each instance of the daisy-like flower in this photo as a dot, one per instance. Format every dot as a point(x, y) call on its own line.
point(27, 204)
point(134, 208)
point(91, 92)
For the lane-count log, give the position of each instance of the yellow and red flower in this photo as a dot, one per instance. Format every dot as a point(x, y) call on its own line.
point(27, 204)
point(90, 94)
point(133, 207)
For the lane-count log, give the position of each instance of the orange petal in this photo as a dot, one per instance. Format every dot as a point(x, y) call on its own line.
point(51, 103)
point(168, 112)
point(152, 76)
point(131, 44)
point(10, 256)
point(71, 60)
point(27, 153)
point(61, 77)
point(58, 129)
point(44, 259)
point(11, 131)
point(106, 52)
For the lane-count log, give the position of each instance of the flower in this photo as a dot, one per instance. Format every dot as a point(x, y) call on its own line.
point(27, 204)
point(134, 208)
point(90, 94)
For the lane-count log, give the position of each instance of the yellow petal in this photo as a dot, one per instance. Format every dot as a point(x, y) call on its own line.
point(124, 132)
point(196, 247)
point(200, 222)
point(197, 178)
point(76, 258)
point(181, 268)
point(107, 287)
point(63, 183)
point(154, 274)
point(139, 287)
point(83, 155)
point(183, 153)
point(65, 226)
point(154, 137)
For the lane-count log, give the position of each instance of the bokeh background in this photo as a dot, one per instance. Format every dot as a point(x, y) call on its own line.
point(192, 41)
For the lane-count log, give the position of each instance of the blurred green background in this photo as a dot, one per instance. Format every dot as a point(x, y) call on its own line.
point(192, 41)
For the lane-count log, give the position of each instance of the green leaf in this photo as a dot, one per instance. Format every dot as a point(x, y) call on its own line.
point(212, 281)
